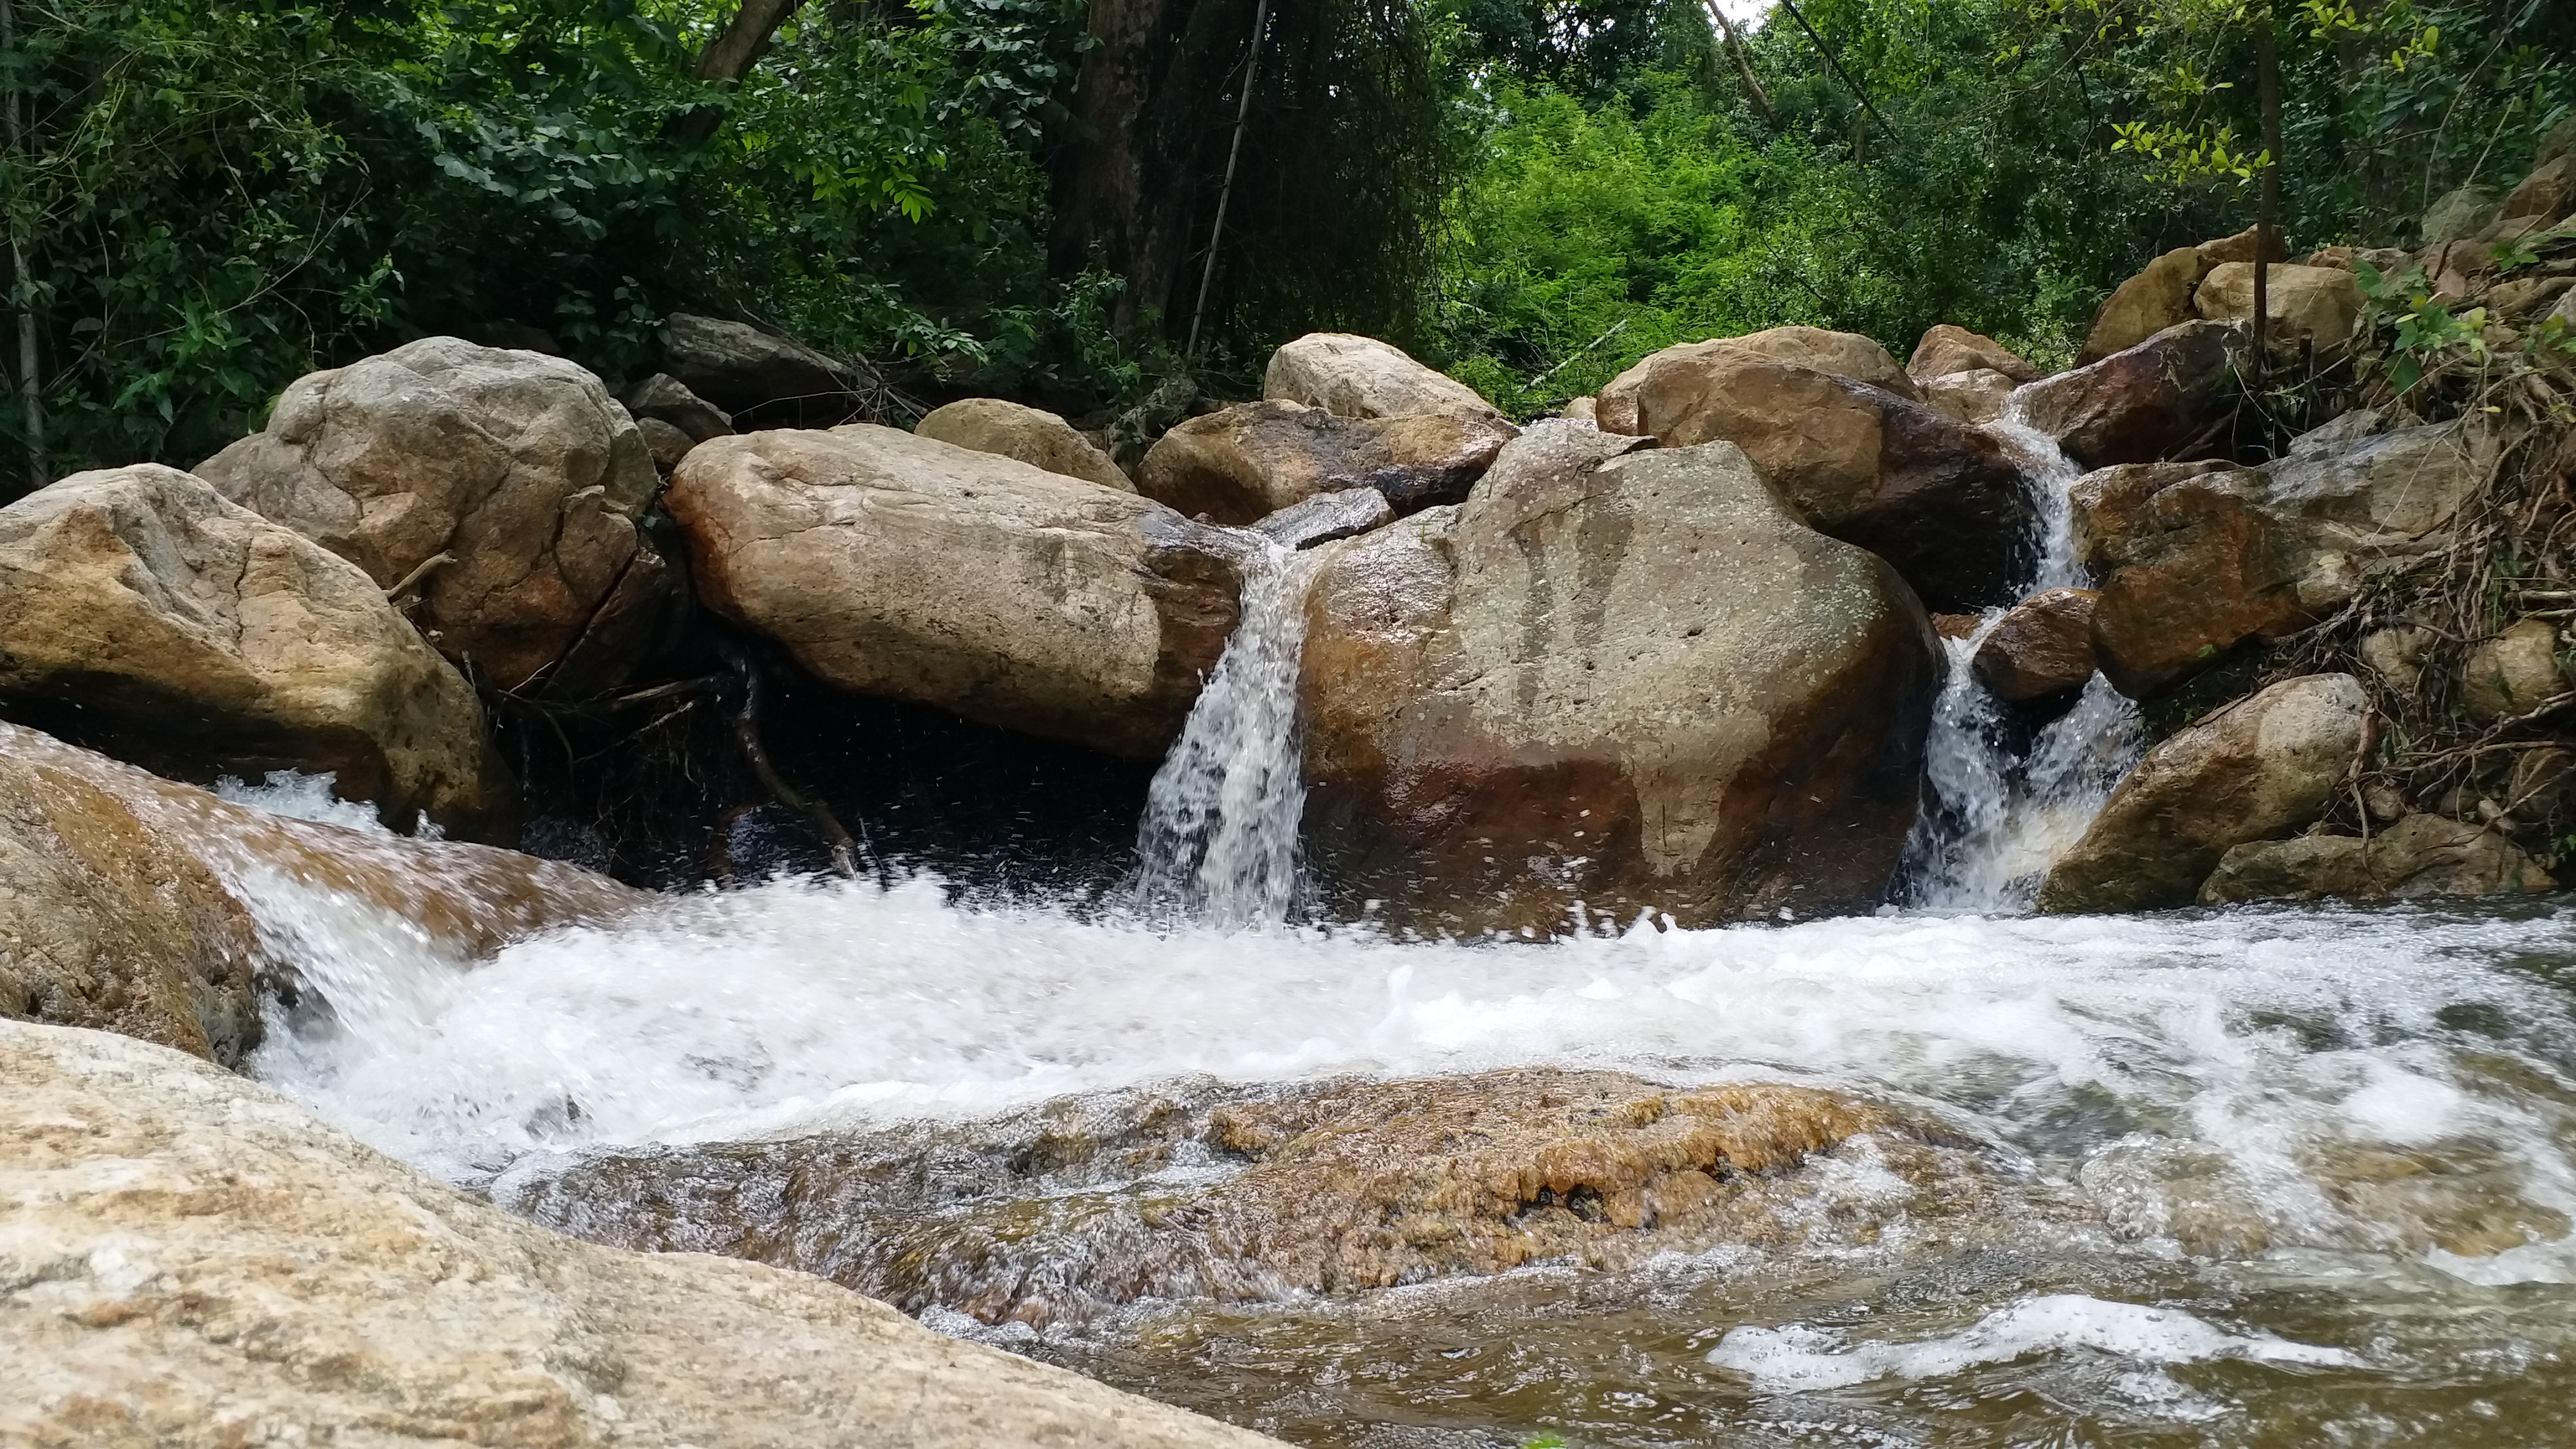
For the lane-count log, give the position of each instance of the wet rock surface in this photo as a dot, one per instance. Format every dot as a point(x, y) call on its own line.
point(1632, 680)
point(901, 566)
point(195, 1259)
point(2418, 858)
point(2042, 647)
point(1189, 1190)
point(2169, 396)
point(143, 614)
point(130, 903)
point(2261, 768)
point(502, 489)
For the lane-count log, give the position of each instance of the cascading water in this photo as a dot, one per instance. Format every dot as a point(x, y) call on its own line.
point(2004, 810)
point(1218, 843)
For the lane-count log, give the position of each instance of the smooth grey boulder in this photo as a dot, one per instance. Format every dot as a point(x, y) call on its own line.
point(1351, 376)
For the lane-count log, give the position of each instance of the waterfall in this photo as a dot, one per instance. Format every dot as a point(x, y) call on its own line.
point(1218, 843)
point(2005, 807)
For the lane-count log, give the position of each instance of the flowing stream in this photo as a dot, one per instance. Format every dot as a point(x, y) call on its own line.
point(2244, 1178)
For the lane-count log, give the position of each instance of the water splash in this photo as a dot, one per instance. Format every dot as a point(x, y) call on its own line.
point(2008, 802)
point(1218, 843)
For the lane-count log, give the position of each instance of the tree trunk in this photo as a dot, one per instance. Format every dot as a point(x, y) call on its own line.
point(2266, 221)
point(22, 288)
point(1743, 66)
point(730, 57)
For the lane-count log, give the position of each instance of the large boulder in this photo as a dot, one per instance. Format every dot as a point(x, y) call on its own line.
point(1942, 501)
point(503, 488)
point(194, 1259)
point(1032, 435)
point(2259, 769)
point(742, 369)
point(1243, 463)
point(143, 614)
point(1633, 679)
point(2169, 396)
point(2320, 306)
point(1978, 395)
point(2418, 857)
point(897, 565)
point(1948, 349)
point(2158, 297)
point(138, 905)
point(1360, 377)
point(2193, 562)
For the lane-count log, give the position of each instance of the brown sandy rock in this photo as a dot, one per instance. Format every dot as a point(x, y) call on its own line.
point(2549, 191)
point(2169, 396)
point(901, 566)
point(132, 903)
point(1941, 501)
point(1360, 377)
point(2043, 647)
point(504, 485)
point(1946, 349)
point(2158, 297)
point(1970, 397)
point(1245, 462)
point(2192, 564)
point(2236, 250)
point(2256, 770)
point(2319, 305)
point(1343, 1186)
point(195, 1259)
point(144, 615)
point(1632, 680)
point(1032, 435)
point(2420, 856)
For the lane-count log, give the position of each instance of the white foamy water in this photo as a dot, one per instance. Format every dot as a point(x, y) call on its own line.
point(299, 796)
point(2006, 809)
point(1218, 843)
point(1796, 1358)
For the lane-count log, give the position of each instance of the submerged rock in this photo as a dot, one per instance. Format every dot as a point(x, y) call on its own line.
point(143, 614)
point(901, 566)
point(1360, 377)
point(1849, 448)
point(1055, 1214)
point(501, 488)
point(1032, 435)
point(2420, 856)
point(2257, 770)
point(195, 1259)
point(1635, 681)
point(2169, 396)
point(1242, 463)
point(133, 904)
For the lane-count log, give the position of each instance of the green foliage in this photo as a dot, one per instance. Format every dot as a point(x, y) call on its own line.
point(2420, 327)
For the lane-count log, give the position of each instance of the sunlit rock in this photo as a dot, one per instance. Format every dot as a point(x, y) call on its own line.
point(901, 566)
point(1239, 464)
point(2257, 770)
point(143, 614)
point(501, 488)
point(1360, 377)
point(1947, 350)
point(195, 1259)
point(2304, 305)
point(1635, 681)
point(1032, 435)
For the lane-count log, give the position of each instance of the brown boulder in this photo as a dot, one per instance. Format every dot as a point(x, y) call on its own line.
point(665, 399)
point(503, 486)
point(2193, 563)
point(2305, 305)
point(2549, 191)
point(196, 1260)
point(1971, 397)
point(132, 904)
point(1946, 349)
point(2420, 856)
point(2156, 298)
point(2043, 647)
point(897, 565)
point(2256, 770)
point(2237, 249)
point(1243, 463)
point(1942, 501)
point(1035, 437)
point(2513, 673)
point(2170, 396)
point(142, 614)
point(1655, 397)
point(1340, 1186)
point(1637, 681)
point(1360, 377)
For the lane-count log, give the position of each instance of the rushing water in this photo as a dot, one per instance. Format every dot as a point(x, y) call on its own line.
point(2255, 1177)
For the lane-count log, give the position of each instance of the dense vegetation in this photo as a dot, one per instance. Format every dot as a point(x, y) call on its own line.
point(205, 199)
